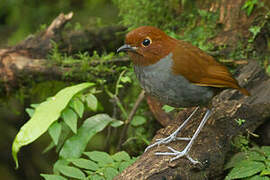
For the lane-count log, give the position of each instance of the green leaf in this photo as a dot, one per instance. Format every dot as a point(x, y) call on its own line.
point(72, 172)
point(45, 114)
point(119, 86)
point(123, 165)
point(258, 177)
point(99, 156)
point(76, 144)
point(138, 120)
point(255, 156)
point(254, 30)
point(48, 148)
point(265, 172)
point(55, 131)
point(96, 177)
point(235, 159)
point(84, 163)
point(267, 162)
point(34, 105)
point(121, 156)
point(266, 149)
point(249, 5)
point(238, 158)
point(167, 108)
point(116, 123)
point(110, 173)
point(30, 111)
point(65, 131)
point(89, 172)
point(78, 106)
point(249, 10)
point(70, 118)
point(125, 79)
point(92, 102)
point(52, 177)
point(246, 169)
point(58, 165)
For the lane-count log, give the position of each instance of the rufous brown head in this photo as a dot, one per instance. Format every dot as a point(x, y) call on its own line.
point(146, 45)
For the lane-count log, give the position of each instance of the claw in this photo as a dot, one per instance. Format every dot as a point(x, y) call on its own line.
point(173, 136)
point(166, 141)
point(179, 154)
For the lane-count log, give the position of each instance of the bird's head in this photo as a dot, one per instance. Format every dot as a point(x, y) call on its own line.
point(146, 45)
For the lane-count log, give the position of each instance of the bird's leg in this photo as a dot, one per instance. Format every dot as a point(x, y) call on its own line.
point(179, 154)
point(173, 136)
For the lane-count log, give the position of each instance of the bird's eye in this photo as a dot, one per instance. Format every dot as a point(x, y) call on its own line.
point(146, 42)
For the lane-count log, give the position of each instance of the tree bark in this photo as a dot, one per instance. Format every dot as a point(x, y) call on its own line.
point(29, 58)
point(214, 142)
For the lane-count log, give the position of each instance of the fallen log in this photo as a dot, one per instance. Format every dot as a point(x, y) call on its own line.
point(29, 60)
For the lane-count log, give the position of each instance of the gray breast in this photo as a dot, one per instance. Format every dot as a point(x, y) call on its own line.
point(159, 81)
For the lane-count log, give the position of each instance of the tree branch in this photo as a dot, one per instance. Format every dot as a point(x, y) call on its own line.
point(214, 142)
point(28, 59)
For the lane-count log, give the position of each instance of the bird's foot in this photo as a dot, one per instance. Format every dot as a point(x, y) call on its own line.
point(170, 138)
point(177, 155)
point(173, 136)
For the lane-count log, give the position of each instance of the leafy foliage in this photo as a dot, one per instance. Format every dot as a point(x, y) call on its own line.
point(95, 165)
point(94, 12)
point(250, 5)
point(195, 25)
point(41, 119)
point(251, 164)
point(249, 49)
point(168, 108)
point(144, 12)
point(75, 100)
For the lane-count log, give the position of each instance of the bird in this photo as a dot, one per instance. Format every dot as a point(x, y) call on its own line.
point(177, 74)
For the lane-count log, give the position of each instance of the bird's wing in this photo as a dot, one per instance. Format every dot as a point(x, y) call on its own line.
point(202, 69)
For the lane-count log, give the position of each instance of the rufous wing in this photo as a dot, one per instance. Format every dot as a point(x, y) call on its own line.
point(202, 69)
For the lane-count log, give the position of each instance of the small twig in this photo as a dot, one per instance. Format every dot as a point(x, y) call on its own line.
point(118, 102)
point(235, 62)
point(252, 134)
point(109, 132)
point(58, 23)
point(118, 82)
point(108, 137)
point(130, 117)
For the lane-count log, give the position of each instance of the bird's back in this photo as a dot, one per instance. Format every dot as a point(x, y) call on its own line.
point(159, 81)
point(202, 69)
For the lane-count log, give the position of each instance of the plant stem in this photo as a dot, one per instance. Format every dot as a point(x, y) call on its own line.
point(118, 102)
point(130, 117)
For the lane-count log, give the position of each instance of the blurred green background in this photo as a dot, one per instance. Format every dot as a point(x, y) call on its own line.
point(19, 18)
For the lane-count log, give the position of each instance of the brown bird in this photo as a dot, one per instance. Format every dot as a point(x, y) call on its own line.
point(178, 74)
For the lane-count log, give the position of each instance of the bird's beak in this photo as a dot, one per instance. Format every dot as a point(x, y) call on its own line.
point(125, 48)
